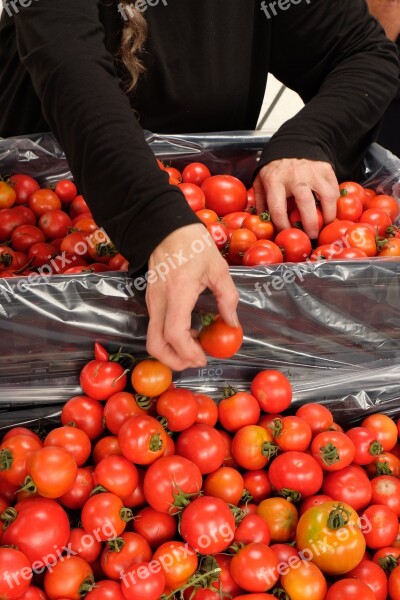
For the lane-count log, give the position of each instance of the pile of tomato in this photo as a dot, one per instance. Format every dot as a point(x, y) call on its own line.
point(52, 231)
point(149, 491)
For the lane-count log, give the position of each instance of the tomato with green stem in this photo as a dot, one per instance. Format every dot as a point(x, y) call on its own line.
point(14, 454)
point(177, 408)
point(208, 525)
point(122, 552)
point(51, 471)
point(257, 484)
point(142, 439)
point(253, 447)
point(366, 445)
point(219, 339)
point(384, 428)
point(385, 463)
point(100, 380)
point(237, 410)
point(291, 433)
point(295, 475)
point(120, 407)
point(71, 579)
point(353, 189)
point(117, 475)
point(260, 225)
point(332, 450)
point(106, 515)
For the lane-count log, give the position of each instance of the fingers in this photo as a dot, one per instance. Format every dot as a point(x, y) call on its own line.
point(277, 204)
point(259, 195)
point(308, 211)
point(327, 191)
point(226, 295)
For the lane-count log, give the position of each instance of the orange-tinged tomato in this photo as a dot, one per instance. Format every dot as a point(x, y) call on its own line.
point(281, 517)
point(303, 580)
point(151, 378)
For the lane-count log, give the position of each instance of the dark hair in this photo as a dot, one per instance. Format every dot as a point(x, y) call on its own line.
point(134, 35)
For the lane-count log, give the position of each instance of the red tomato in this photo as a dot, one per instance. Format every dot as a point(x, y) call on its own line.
point(260, 225)
point(362, 236)
point(7, 258)
point(334, 232)
point(194, 195)
point(119, 408)
point(121, 553)
point(202, 445)
point(295, 473)
point(154, 526)
point(237, 410)
point(168, 480)
point(292, 433)
point(219, 233)
point(263, 252)
point(137, 498)
point(66, 190)
point(386, 491)
point(350, 254)
point(106, 446)
point(351, 589)
point(84, 545)
point(43, 200)
point(14, 455)
point(350, 485)
point(254, 568)
point(272, 390)
point(23, 186)
point(382, 526)
point(241, 240)
point(178, 563)
point(354, 189)
point(86, 225)
point(80, 492)
point(313, 501)
point(333, 450)
point(252, 447)
point(55, 224)
point(53, 471)
point(207, 410)
point(75, 245)
point(178, 407)
point(387, 558)
point(371, 574)
point(384, 429)
point(106, 590)
point(208, 525)
point(283, 552)
point(105, 515)
point(391, 248)
point(235, 220)
point(33, 593)
point(15, 571)
point(366, 445)
point(317, 416)
point(394, 584)
point(387, 203)
point(295, 243)
point(195, 173)
point(225, 483)
point(66, 578)
point(10, 220)
point(224, 194)
point(219, 339)
point(349, 208)
point(85, 413)
point(100, 380)
point(257, 484)
point(378, 218)
point(281, 517)
point(41, 254)
point(75, 441)
point(253, 529)
point(77, 207)
point(142, 439)
point(207, 216)
point(143, 580)
point(384, 464)
point(118, 263)
point(117, 475)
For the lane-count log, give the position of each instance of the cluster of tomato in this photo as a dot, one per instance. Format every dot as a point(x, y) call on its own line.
point(364, 226)
point(156, 492)
point(50, 231)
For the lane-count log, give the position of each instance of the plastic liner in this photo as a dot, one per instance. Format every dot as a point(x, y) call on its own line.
point(332, 326)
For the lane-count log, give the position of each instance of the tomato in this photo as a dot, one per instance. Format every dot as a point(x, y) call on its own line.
point(387, 558)
point(195, 173)
point(257, 484)
point(142, 439)
point(260, 225)
point(283, 552)
point(119, 408)
point(40, 254)
point(219, 233)
point(295, 473)
point(43, 200)
point(371, 574)
point(313, 501)
point(378, 218)
point(303, 580)
point(241, 240)
point(122, 552)
point(219, 339)
point(178, 563)
point(66, 190)
point(362, 236)
point(263, 252)
point(272, 390)
point(40, 529)
point(354, 189)
point(349, 208)
point(84, 545)
point(154, 526)
point(178, 407)
point(281, 517)
point(386, 203)
point(208, 525)
point(7, 258)
point(254, 568)
point(106, 515)
point(229, 461)
point(80, 492)
point(235, 220)
point(88, 225)
point(194, 196)
point(23, 186)
point(394, 584)
point(252, 447)
point(7, 490)
point(143, 580)
point(224, 194)
point(137, 498)
point(207, 216)
point(386, 490)
point(291, 433)
point(100, 380)
point(225, 483)
point(207, 410)
point(10, 220)
point(85, 413)
point(383, 526)
point(151, 377)
point(295, 243)
point(167, 479)
point(384, 429)
point(14, 454)
point(53, 471)
point(75, 441)
point(331, 535)
point(7, 195)
point(317, 416)
point(333, 450)
point(74, 246)
point(55, 224)
point(15, 571)
point(202, 445)
point(384, 464)
point(106, 590)
point(116, 475)
point(32, 593)
point(77, 207)
point(351, 589)
point(253, 529)
point(106, 446)
point(334, 232)
point(365, 443)
point(237, 410)
point(350, 485)
point(69, 579)
point(391, 248)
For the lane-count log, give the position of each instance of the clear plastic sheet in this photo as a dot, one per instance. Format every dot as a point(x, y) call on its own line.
point(333, 326)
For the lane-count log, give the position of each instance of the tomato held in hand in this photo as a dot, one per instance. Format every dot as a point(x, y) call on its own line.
point(219, 339)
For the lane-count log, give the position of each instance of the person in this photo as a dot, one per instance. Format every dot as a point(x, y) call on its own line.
point(97, 73)
point(388, 14)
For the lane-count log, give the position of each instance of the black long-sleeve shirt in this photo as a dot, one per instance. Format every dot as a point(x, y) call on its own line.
point(207, 64)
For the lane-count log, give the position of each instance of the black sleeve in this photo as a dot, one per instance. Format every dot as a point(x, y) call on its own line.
point(337, 57)
point(62, 45)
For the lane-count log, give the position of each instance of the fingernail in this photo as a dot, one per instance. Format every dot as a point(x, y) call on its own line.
point(235, 319)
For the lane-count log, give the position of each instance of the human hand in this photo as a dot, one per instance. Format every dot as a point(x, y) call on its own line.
point(281, 179)
point(172, 294)
point(387, 12)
